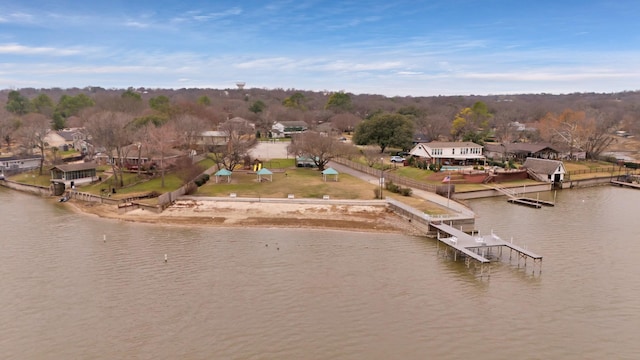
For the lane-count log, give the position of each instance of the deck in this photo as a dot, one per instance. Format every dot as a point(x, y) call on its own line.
point(480, 248)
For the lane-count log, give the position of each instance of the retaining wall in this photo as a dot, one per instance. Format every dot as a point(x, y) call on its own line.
point(33, 189)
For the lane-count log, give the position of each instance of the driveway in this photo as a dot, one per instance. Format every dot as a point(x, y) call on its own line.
point(270, 150)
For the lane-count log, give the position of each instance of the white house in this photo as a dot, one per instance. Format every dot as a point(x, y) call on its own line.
point(13, 164)
point(288, 128)
point(449, 153)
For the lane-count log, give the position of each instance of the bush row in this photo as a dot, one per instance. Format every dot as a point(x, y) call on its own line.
point(201, 179)
point(397, 189)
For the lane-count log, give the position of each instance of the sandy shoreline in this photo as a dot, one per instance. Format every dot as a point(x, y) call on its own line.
point(266, 215)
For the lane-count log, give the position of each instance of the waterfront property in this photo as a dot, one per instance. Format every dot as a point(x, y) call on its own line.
point(14, 164)
point(74, 174)
point(449, 153)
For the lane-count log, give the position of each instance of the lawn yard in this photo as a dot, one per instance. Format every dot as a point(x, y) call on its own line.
point(301, 182)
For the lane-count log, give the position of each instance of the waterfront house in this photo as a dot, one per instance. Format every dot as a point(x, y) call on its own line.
point(16, 164)
point(449, 153)
point(74, 174)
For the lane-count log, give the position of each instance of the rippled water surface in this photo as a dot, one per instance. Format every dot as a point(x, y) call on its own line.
point(299, 294)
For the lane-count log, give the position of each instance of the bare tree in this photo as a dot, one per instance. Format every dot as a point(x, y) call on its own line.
point(432, 126)
point(345, 122)
point(317, 147)
point(34, 130)
point(163, 139)
point(9, 123)
point(188, 128)
point(597, 133)
point(240, 140)
point(371, 155)
point(112, 131)
point(566, 128)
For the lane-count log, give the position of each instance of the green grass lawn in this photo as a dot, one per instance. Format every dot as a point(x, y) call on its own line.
point(413, 173)
point(301, 182)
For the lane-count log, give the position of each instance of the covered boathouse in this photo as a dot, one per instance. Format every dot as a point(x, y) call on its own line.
point(74, 174)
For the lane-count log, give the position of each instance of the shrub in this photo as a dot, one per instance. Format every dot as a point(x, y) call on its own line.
point(201, 180)
point(391, 187)
point(405, 191)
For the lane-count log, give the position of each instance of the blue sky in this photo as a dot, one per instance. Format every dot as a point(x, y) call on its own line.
point(414, 48)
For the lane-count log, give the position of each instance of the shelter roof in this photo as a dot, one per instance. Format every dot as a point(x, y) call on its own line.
point(223, 172)
point(329, 171)
point(542, 166)
point(264, 171)
point(75, 167)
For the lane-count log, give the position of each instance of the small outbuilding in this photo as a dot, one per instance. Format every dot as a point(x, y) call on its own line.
point(74, 174)
point(221, 173)
point(264, 173)
point(551, 171)
point(330, 172)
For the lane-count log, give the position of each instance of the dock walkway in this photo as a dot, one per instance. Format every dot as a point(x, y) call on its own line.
point(626, 184)
point(513, 198)
point(479, 248)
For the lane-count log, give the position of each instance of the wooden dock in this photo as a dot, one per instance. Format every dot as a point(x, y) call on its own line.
point(520, 200)
point(481, 249)
point(625, 184)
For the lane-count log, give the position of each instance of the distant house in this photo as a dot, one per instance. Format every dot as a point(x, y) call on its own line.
point(551, 171)
point(420, 138)
point(288, 128)
point(53, 139)
point(449, 153)
point(73, 138)
point(134, 156)
point(519, 151)
point(210, 140)
point(237, 123)
point(16, 164)
point(74, 174)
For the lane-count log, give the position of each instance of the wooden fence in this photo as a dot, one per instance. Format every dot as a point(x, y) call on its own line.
point(399, 180)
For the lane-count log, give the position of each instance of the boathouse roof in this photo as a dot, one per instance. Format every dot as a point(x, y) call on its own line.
point(544, 166)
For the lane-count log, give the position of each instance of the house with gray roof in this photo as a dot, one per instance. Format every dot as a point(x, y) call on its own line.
point(519, 151)
point(74, 174)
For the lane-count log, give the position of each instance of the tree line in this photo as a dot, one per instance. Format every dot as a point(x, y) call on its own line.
point(165, 118)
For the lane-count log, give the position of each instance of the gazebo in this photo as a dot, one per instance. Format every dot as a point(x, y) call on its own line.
point(329, 171)
point(223, 172)
point(264, 172)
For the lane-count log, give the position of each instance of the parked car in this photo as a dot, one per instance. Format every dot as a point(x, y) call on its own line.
point(397, 159)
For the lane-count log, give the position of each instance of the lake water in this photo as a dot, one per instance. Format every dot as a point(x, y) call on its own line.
point(66, 293)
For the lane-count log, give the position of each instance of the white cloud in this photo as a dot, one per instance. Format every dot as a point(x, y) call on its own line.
point(198, 15)
point(137, 24)
point(17, 49)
